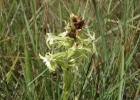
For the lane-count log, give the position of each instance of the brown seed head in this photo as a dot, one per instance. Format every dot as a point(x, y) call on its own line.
point(78, 21)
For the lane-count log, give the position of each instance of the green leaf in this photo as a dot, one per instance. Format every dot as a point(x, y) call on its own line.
point(79, 53)
point(72, 62)
point(62, 64)
point(68, 42)
point(63, 34)
point(60, 55)
point(70, 52)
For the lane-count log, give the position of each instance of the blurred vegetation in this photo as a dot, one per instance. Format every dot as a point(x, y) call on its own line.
point(23, 27)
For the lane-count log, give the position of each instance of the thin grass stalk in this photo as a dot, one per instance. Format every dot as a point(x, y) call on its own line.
point(86, 8)
point(109, 6)
point(28, 26)
point(33, 6)
point(123, 40)
point(60, 13)
point(4, 25)
point(28, 73)
point(121, 73)
point(137, 93)
point(102, 33)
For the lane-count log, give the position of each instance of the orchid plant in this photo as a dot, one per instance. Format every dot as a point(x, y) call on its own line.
point(70, 48)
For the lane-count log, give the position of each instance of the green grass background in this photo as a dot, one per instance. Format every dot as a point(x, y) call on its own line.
point(23, 25)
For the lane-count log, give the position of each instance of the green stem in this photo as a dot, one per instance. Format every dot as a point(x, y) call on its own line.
point(67, 84)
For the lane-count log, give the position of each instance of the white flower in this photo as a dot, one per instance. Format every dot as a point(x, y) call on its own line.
point(50, 38)
point(47, 63)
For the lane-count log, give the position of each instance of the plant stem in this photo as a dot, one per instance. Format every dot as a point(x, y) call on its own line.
point(67, 84)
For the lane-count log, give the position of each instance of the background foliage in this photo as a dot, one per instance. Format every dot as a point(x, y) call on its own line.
point(23, 25)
